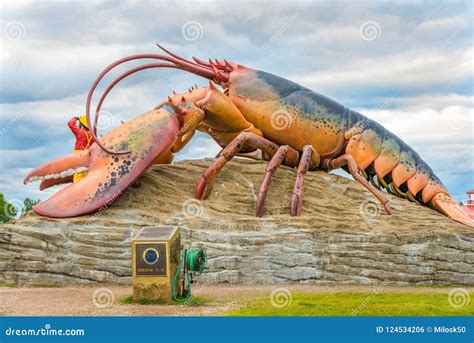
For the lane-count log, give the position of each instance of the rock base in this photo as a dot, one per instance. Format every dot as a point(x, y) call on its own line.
point(343, 235)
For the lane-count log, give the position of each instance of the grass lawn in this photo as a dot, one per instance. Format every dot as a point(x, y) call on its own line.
point(357, 304)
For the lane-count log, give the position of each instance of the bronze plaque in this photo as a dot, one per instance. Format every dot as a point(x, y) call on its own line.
point(150, 259)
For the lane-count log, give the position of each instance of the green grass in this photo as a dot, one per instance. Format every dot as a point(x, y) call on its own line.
point(193, 301)
point(358, 304)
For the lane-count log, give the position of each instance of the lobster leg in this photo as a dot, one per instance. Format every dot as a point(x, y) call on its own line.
point(253, 155)
point(309, 159)
point(283, 152)
point(232, 149)
point(348, 160)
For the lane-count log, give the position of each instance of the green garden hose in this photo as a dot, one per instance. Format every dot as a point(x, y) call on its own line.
point(192, 260)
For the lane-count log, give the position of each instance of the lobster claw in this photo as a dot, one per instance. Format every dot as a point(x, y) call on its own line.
point(148, 137)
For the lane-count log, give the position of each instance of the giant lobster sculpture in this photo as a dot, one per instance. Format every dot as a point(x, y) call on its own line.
point(258, 115)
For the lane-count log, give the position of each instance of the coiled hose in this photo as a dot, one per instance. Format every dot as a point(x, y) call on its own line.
point(192, 260)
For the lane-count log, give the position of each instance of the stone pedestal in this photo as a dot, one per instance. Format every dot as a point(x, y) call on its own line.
point(155, 258)
point(342, 237)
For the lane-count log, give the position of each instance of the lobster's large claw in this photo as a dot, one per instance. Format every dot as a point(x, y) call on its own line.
point(147, 137)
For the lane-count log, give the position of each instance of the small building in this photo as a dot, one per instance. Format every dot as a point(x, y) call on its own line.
point(470, 198)
point(469, 206)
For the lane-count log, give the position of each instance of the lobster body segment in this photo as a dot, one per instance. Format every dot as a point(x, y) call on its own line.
point(288, 113)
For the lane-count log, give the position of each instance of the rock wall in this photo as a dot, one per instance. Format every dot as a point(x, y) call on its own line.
point(343, 235)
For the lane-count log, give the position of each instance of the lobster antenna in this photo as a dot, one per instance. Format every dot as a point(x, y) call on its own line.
point(173, 54)
point(120, 78)
point(175, 61)
point(201, 62)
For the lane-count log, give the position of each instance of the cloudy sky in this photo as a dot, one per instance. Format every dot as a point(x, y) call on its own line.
point(406, 64)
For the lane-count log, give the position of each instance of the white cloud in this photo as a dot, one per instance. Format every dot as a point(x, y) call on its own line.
point(435, 101)
point(437, 25)
point(19, 157)
point(410, 70)
point(448, 124)
point(424, 54)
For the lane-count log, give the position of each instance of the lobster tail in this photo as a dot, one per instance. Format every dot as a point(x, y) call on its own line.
point(443, 203)
point(392, 165)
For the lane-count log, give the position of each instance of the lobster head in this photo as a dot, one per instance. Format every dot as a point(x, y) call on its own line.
point(146, 137)
point(121, 156)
